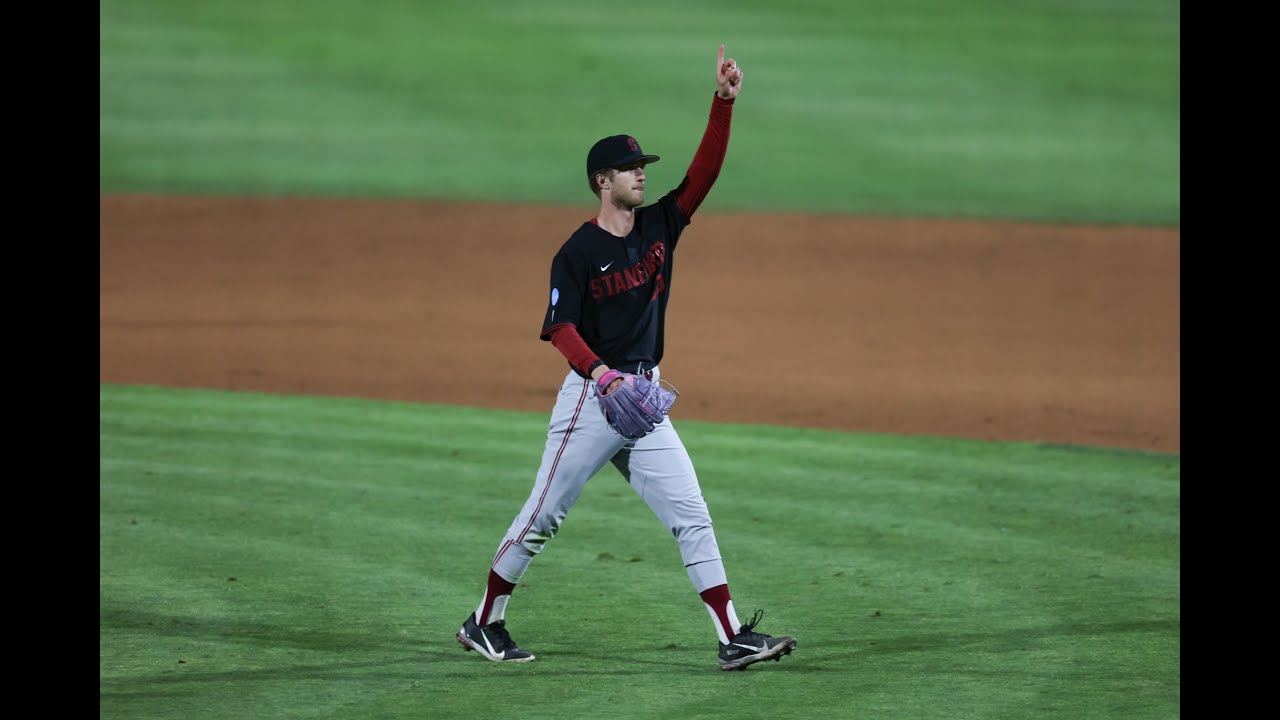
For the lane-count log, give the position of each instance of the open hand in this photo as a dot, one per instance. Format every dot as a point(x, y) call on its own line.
point(728, 77)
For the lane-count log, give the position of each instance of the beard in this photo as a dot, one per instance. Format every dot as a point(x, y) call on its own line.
point(630, 200)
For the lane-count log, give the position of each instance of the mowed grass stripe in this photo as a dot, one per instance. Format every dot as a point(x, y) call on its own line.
point(1038, 111)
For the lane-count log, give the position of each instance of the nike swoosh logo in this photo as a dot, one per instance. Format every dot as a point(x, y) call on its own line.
point(500, 655)
point(606, 267)
point(762, 648)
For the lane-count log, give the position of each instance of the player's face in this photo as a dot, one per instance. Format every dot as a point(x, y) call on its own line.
point(627, 186)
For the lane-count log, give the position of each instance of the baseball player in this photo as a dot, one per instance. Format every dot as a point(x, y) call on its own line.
point(610, 283)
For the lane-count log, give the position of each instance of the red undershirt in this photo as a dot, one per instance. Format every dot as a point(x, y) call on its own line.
point(703, 171)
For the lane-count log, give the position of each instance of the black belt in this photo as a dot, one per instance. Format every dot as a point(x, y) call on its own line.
point(647, 374)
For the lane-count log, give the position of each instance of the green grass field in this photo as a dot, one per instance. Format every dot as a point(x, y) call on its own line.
point(291, 557)
point(1026, 109)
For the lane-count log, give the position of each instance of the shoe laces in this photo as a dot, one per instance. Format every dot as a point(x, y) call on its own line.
point(498, 631)
point(750, 628)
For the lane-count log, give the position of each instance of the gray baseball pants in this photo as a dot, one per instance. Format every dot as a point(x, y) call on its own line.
point(579, 443)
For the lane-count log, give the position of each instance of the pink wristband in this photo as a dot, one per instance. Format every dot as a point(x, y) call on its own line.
point(605, 379)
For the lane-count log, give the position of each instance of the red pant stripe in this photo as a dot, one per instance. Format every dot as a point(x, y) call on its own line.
point(551, 476)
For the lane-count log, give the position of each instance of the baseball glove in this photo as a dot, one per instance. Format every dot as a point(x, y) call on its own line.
point(636, 406)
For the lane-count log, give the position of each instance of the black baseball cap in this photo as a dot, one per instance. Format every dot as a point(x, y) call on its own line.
point(614, 152)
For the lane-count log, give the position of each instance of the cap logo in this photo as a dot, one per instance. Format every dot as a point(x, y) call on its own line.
point(631, 143)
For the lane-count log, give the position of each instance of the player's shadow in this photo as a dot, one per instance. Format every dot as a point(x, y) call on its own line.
point(234, 629)
point(356, 652)
point(870, 646)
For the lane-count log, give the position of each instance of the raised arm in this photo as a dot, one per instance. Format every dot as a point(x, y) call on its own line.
point(709, 157)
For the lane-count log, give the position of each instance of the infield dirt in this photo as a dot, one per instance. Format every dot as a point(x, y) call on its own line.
point(1001, 331)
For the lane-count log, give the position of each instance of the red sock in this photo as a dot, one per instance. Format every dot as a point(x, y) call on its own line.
point(720, 605)
point(498, 587)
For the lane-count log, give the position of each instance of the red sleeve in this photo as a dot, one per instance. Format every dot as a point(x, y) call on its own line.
point(705, 167)
point(570, 344)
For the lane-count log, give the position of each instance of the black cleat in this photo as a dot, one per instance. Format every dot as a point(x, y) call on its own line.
point(491, 641)
point(749, 646)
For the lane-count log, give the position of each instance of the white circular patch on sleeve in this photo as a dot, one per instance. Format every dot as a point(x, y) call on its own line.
point(555, 296)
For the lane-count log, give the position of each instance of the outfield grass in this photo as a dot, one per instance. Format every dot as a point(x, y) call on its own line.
point(294, 557)
point(1058, 111)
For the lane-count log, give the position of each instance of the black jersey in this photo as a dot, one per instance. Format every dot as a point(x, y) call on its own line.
point(614, 290)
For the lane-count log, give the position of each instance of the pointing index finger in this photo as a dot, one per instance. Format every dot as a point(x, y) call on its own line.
point(720, 59)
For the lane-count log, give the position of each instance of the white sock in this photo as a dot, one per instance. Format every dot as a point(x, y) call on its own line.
point(497, 612)
point(499, 609)
point(724, 633)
